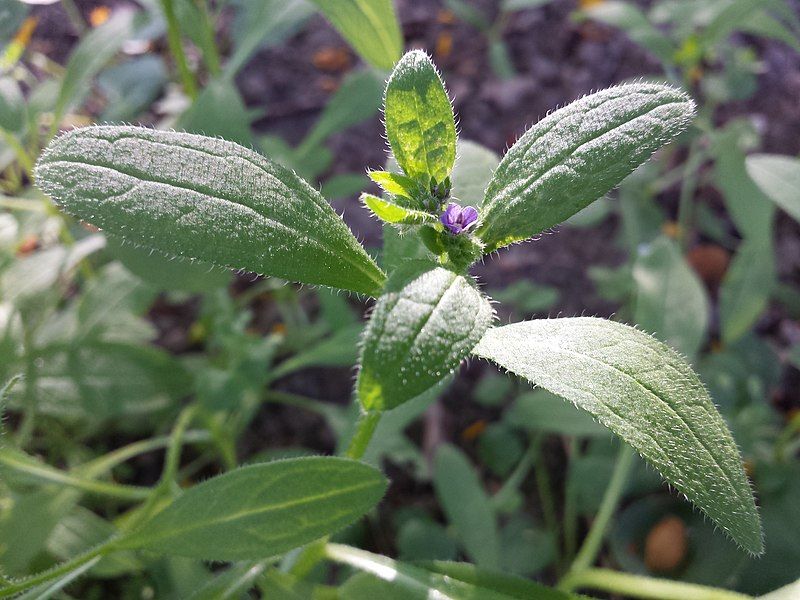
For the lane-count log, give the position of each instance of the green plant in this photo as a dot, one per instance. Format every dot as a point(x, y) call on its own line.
point(215, 201)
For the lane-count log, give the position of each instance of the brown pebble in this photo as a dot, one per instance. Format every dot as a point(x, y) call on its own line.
point(666, 545)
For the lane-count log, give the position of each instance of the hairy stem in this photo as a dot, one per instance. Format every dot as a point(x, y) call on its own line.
point(365, 428)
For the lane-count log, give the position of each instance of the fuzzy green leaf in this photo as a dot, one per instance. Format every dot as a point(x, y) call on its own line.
point(645, 393)
point(391, 212)
point(423, 326)
point(419, 119)
point(577, 154)
point(262, 510)
point(370, 26)
point(207, 199)
point(395, 183)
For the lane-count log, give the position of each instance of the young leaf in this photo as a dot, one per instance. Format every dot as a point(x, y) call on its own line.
point(746, 288)
point(395, 183)
point(671, 301)
point(577, 154)
point(419, 119)
point(204, 198)
point(391, 212)
point(779, 178)
point(645, 393)
point(423, 326)
point(370, 26)
point(262, 510)
point(467, 506)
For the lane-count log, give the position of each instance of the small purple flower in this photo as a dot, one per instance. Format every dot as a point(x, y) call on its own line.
point(458, 219)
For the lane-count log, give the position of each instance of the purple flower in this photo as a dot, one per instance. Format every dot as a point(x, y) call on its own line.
point(458, 219)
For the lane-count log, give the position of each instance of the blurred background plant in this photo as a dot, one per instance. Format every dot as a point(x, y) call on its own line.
point(102, 343)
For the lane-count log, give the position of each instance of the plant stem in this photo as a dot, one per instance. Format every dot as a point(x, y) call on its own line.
point(365, 428)
point(172, 460)
point(50, 475)
point(688, 189)
point(649, 588)
point(176, 49)
point(591, 545)
point(570, 516)
point(545, 489)
point(516, 478)
point(64, 568)
point(210, 51)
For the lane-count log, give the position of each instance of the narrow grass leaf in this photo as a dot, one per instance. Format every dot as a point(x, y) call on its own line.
point(577, 154)
point(370, 26)
point(645, 393)
point(423, 326)
point(262, 510)
point(207, 199)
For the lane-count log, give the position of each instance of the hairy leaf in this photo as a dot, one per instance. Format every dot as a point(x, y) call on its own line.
point(262, 510)
point(391, 212)
point(577, 154)
point(645, 393)
point(419, 119)
point(204, 198)
point(370, 26)
point(423, 326)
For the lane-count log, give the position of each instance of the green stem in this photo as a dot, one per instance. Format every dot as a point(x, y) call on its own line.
point(22, 155)
point(63, 569)
point(210, 51)
point(688, 189)
point(172, 460)
point(591, 545)
point(365, 428)
point(649, 588)
point(570, 514)
point(511, 485)
point(50, 475)
point(26, 427)
point(545, 489)
point(176, 49)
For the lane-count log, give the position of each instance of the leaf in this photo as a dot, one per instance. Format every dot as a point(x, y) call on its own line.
point(751, 211)
point(466, 506)
point(383, 577)
point(262, 510)
point(219, 110)
point(357, 99)
point(263, 23)
point(577, 154)
point(370, 26)
point(635, 23)
point(540, 410)
point(102, 380)
point(391, 212)
point(472, 172)
point(167, 273)
point(132, 86)
point(97, 48)
point(422, 327)
point(746, 288)
point(671, 301)
point(395, 183)
point(338, 350)
point(204, 198)
point(645, 393)
point(419, 119)
point(779, 178)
